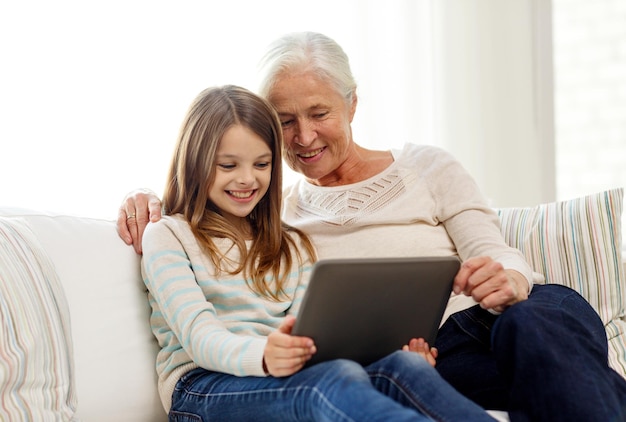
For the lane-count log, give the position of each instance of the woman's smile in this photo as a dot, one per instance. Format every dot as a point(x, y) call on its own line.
point(310, 155)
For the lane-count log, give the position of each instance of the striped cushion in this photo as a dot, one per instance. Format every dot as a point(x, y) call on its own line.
point(578, 243)
point(36, 365)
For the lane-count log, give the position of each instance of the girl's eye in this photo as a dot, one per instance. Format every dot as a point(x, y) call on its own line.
point(227, 166)
point(264, 164)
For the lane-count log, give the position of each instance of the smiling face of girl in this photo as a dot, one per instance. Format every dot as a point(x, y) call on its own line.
point(243, 170)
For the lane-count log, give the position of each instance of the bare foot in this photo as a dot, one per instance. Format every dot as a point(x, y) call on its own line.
point(421, 347)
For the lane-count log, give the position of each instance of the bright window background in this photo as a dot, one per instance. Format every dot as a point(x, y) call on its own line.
point(590, 96)
point(92, 92)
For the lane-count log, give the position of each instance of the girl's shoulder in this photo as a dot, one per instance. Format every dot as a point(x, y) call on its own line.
point(172, 233)
point(169, 222)
point(168, 225)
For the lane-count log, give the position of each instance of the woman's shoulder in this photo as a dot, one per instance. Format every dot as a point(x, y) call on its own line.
point(426, 153)
point(427, 160)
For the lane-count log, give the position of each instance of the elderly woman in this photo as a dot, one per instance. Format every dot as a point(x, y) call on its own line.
point(538, 352)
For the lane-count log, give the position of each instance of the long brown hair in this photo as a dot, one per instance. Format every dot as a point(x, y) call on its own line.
point(192, 172)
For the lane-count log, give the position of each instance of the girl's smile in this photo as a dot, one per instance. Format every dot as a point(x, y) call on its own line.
point(243, 174)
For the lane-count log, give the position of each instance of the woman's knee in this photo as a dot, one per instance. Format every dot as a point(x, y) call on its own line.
point(550, 309)
point(550, 300)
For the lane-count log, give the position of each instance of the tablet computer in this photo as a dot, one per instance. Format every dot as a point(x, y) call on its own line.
point(363, 309)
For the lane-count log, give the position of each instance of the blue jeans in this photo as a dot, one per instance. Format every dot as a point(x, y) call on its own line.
point(400, 387)
point(544, 359)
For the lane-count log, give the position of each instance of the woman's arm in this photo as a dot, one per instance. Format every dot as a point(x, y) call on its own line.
point(493, 273)
point(138, 208)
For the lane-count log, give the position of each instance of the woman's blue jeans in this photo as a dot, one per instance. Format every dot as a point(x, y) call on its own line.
point(544, 359)
point(400, 387)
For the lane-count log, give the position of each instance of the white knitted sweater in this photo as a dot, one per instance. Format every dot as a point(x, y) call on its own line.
point(425, 203)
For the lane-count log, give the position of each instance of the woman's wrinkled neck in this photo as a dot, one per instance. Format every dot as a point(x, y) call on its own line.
point(360, 165)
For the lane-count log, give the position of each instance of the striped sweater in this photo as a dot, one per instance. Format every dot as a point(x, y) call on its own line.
point(204, 319)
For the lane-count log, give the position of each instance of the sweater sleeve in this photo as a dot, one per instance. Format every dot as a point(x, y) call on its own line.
point(472, 225)
point(302, 274)
point(188, 320)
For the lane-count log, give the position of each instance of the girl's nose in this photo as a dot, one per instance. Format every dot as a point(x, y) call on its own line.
point(245, 176)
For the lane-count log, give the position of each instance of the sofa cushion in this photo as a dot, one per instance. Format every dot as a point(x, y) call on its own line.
point(36, 362)
point(114, 349)
point(578, 243)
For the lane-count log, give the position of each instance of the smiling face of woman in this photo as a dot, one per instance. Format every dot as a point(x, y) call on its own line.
point(316, 123)
point(243, 170)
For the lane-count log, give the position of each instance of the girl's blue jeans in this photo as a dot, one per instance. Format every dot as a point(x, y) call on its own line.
point(400, 387)
point(544, 359)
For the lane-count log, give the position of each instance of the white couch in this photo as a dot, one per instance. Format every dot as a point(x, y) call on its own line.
point(113, 376)
point(114, 350)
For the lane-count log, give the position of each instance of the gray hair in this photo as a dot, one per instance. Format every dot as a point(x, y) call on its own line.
point(309, 52)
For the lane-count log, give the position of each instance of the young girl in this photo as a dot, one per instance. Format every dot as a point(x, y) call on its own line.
point(225, 279)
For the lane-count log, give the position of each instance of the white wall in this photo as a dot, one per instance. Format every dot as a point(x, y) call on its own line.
point(493, 75)
point(590, 92)
point(92, 92)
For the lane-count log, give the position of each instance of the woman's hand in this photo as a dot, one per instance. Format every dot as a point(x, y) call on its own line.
point(286, 354)
point(490, 284)
point(138, 208)
point(420, 346)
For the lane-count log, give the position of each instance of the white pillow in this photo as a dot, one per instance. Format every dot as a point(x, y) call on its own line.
point(577, 243)
point(36, 363)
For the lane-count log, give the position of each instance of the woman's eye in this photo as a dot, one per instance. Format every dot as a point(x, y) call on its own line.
point(285, 123)
point(321, 115)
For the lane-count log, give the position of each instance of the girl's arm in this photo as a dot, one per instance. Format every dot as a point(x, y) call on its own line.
point(186, 322)
point(303, 280)
point(286, 354)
